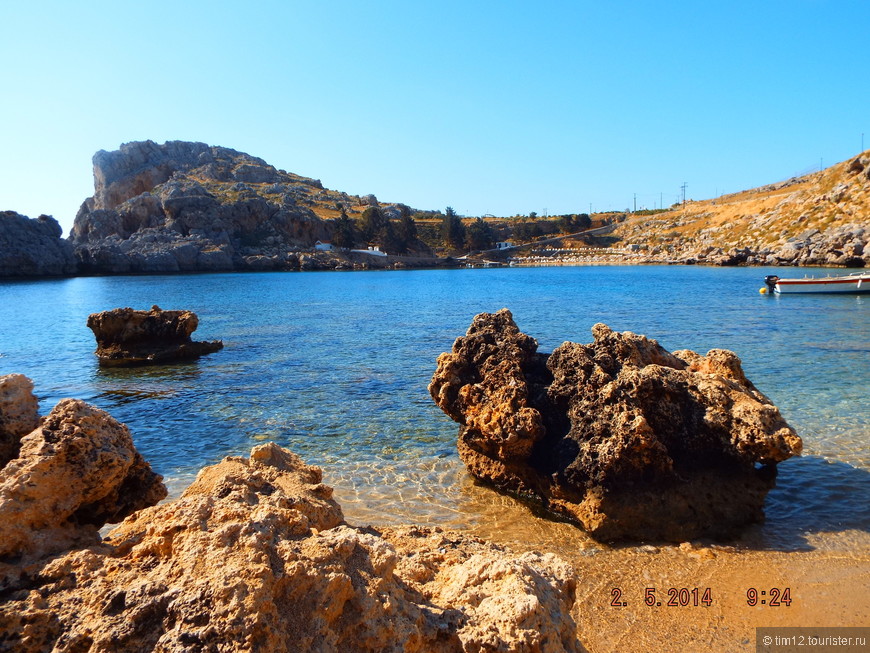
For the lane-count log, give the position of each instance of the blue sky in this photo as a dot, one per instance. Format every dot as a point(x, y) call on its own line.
point(488, 107)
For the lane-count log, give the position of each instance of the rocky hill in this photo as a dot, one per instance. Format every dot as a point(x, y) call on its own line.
point(33, 247)
point(818, 219)
point(182, 206)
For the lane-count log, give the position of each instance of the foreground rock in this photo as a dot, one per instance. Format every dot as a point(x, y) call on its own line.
point(19, 414)
point(33, 248)
point(620, 436)
point(73, 473)
point(129, 337)
point(255, 556)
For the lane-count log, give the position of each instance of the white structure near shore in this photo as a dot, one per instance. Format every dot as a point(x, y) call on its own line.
point(372, 250)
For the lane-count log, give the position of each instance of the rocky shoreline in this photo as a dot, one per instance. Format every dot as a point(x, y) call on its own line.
point(254, 556)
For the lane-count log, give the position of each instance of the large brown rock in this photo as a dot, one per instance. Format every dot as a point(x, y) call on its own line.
point(77, 471)
point(129, 337)
point(620, 436)
point(19, 414)
point(255, 556)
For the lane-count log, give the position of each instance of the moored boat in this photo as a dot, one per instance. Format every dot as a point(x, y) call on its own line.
point(857, 282)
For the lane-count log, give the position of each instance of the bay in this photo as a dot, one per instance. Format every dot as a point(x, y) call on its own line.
point(334, 366)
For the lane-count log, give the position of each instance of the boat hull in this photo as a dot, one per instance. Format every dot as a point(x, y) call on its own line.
point(851, 284)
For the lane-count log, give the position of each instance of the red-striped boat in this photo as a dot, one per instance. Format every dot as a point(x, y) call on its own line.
point(858, 282)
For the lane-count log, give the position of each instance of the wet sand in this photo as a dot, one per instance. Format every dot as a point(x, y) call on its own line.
point(827, 574)
point(826, 589)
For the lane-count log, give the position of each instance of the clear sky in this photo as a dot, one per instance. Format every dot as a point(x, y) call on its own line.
point(488, 107)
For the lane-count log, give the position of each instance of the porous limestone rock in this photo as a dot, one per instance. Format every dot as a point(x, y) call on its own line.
point(620, 436)
point(129, 337)
point(77, 471)
point(254, 556)
point(33, 248)
point(19, 414)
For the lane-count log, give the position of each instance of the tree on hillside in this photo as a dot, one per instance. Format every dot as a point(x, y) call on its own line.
point(371, 223)
point(527, 230)
point(479, 235)
point(387, 240)
point(345, 231)
point(452, 229)
point(406, 232)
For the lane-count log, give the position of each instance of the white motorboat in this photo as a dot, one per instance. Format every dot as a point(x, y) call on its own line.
point(857, 282)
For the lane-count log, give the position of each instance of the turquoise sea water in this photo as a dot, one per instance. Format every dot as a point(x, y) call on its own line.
point(335, 366)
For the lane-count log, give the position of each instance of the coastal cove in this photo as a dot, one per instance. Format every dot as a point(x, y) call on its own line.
point(335, 366)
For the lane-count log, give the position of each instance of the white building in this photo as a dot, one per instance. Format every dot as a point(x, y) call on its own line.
point(323, 247)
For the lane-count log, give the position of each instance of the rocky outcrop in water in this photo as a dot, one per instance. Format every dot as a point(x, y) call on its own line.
point(33, 248)
point(128, 337)
point(73, 473)
point(620, 436)
point(255, 556)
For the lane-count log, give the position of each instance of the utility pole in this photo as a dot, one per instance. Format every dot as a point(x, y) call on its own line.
point(635, 203)
point(820, 164)
point(590, 208)
point(683, 188)
point(661, 203)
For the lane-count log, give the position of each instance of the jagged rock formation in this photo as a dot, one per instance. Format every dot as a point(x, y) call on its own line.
point(620, 436)
point(19, 414)
point(181, 207)
point(33, 248)
point(72, 474)
point(255, 556)
point(128, 337)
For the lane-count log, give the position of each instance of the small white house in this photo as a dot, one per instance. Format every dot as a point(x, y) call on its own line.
point(323, 247)
point(504, 244)
point(374, 251)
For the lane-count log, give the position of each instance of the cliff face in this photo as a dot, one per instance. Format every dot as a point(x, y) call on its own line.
point(181, 207)
point(33, 248)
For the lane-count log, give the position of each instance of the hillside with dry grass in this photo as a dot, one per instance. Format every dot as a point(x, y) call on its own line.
point(818, 219)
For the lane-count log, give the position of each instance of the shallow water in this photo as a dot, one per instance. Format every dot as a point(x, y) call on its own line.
point(335, 366)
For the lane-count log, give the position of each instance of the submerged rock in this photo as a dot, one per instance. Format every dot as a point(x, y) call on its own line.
point(255, 556)
point(129, 337)
point(620, 436)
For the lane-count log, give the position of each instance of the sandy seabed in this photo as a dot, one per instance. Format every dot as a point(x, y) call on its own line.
point(827, 575)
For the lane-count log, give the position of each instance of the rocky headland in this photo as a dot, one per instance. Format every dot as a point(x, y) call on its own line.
point(254, 556)
point(33, 247)
point(127, 337)
point(187, 207)
point(620, 436)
